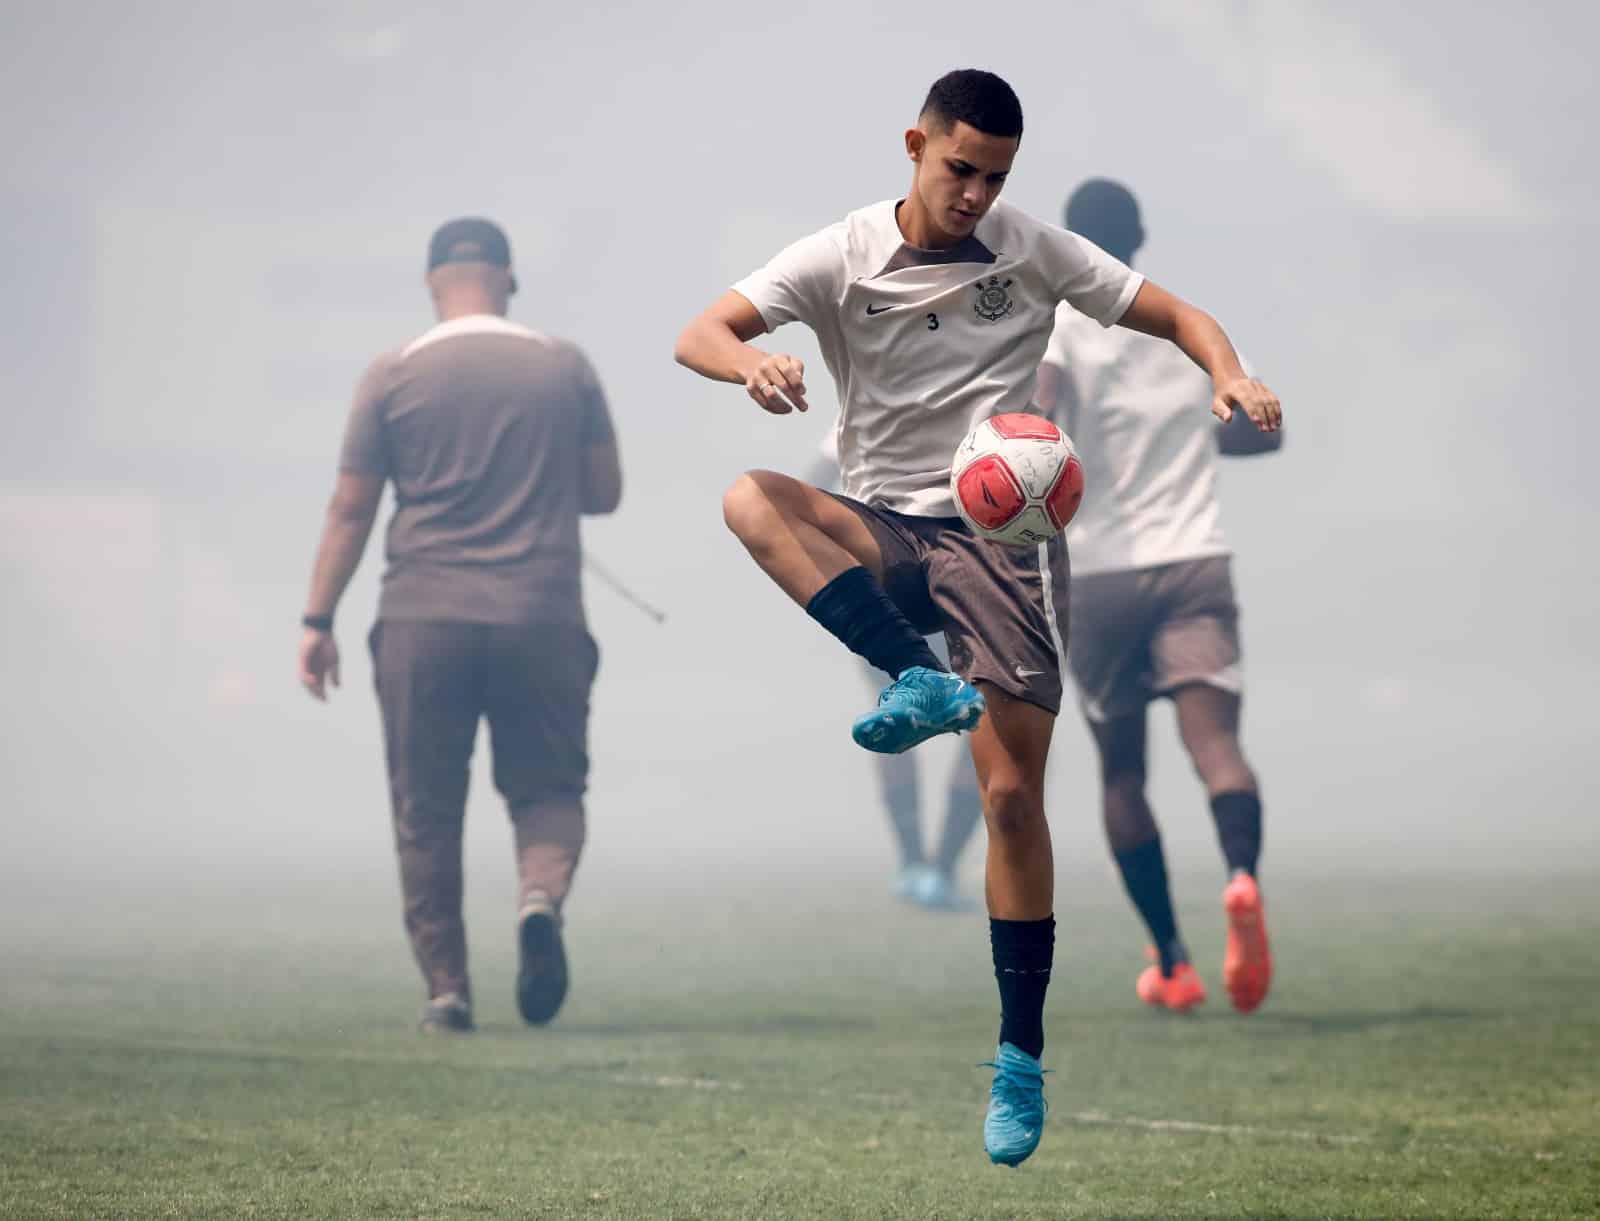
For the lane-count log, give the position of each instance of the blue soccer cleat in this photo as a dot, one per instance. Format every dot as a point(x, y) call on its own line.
point(1016, 1106)
point(918, 705)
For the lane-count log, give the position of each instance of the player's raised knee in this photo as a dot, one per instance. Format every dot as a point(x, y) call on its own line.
point(756, 501)
point(745, 504)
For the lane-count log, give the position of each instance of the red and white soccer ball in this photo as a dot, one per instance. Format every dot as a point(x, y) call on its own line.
point(1016, 479)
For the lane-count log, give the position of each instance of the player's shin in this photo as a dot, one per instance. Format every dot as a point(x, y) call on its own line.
point(854, 607)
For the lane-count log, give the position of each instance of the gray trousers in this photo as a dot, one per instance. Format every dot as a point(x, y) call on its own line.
point(435, 681)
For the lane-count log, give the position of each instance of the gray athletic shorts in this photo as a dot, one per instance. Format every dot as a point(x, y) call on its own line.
point(1142, 633)
point(1001, 608)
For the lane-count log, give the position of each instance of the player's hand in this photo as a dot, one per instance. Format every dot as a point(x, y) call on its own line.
point(778, 384)
point(319, 662)
point(1252, 397)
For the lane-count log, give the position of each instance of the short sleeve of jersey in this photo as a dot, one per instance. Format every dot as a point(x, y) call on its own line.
point(1087, 278)
point(364, 451)
point(597, 426)
point(801, 284)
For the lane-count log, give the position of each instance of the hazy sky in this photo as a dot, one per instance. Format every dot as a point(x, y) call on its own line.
point(214, 216)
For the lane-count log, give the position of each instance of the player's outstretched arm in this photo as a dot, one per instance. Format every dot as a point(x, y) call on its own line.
point(716, 345)
point(1157, 312)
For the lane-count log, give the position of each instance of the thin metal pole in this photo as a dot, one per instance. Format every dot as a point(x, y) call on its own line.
point(609, 578)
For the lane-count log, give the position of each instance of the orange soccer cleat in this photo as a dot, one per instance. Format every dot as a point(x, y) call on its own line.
point(1180, 991)
point(1247, 965)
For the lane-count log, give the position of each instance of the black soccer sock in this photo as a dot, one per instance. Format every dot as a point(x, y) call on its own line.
point(854, 608)
point(1144, 874)
point(1238, 817)
point(1022, 953)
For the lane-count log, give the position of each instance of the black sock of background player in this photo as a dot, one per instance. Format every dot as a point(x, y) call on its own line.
point(854, 608)
point(1144, 873)
point(1022, 953)
point(1238, 818)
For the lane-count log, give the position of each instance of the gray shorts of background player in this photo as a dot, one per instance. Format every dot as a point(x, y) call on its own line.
point(1142, 633)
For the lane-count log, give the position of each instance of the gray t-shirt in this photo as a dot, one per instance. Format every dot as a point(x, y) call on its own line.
point(483, 427)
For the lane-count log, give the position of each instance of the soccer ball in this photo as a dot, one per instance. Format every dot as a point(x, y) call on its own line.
point(1016, 479)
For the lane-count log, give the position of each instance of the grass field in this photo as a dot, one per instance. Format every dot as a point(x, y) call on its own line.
point(1432, 1049)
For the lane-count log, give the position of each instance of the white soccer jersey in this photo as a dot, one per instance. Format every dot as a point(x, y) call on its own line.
point(1139, 414)
point(925, 344)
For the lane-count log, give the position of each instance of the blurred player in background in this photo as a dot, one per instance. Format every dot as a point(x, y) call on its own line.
point(1152, 604)
point(496, 438)
point(921, 881)
point(933, 313)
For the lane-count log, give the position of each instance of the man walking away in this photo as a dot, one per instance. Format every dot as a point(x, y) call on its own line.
point(496, 438)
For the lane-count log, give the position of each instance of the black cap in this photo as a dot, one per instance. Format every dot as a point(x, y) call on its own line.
point(1107, 214)
point(471, 239)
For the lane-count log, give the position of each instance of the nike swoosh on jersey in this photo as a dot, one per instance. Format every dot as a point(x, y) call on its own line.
point(874, 312)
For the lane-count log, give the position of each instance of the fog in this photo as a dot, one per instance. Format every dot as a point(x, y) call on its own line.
point(214, 216)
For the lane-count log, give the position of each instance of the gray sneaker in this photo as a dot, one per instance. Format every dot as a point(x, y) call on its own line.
point(541, 961)
point(447, 1014)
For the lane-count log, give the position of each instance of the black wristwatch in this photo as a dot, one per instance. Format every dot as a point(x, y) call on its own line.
point(317, 623)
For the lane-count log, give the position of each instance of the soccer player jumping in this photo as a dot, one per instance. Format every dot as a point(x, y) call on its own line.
point(933, 313)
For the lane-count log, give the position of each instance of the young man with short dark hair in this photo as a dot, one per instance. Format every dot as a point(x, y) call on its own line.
point(933, 313)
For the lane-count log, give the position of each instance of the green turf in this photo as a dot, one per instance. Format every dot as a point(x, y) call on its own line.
point(1432, 1049)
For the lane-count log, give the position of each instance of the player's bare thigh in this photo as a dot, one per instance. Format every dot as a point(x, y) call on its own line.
point(802, 536)
point(1010, 748)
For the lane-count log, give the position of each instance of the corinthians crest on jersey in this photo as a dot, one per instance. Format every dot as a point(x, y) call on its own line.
point(993, 302)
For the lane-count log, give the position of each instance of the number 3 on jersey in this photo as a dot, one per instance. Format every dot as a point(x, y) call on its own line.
point(933, 322)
